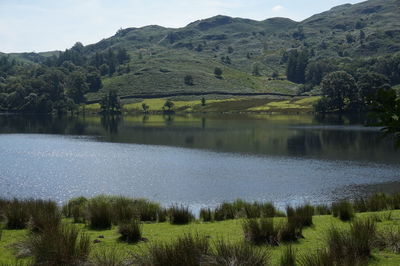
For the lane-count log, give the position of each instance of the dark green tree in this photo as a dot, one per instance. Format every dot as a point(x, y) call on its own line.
point(340, 90)
point(203, 101)
point(369, 84)
point(110, 104)
point(169, 105)
point(77, 87)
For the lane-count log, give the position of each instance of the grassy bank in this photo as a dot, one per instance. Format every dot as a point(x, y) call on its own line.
point(350, 230)
point(221, 105)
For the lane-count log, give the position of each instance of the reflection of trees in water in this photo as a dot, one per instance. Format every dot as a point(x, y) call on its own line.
point(168, 118)
point(111, 123)
point(303, 143)
point(42, 124)
point(145, 119)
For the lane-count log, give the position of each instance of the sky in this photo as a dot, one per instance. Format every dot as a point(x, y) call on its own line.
point(47, 25)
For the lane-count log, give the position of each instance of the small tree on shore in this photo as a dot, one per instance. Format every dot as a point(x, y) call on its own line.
point(145, 108)
point(111, 103)
point(203, 101)
point(169, 105)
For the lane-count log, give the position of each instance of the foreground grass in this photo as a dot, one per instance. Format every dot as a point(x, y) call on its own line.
point(231, 231)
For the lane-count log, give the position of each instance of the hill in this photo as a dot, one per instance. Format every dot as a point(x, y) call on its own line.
point(253, 55)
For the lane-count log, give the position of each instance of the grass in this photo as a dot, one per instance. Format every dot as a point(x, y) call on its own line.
point(230, 231)
point(214, 104)
point(180, 215)
point(131, 232)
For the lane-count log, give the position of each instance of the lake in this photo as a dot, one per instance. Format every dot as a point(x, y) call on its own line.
point(196, 160)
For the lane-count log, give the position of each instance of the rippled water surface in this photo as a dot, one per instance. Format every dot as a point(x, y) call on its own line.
point(199, 161)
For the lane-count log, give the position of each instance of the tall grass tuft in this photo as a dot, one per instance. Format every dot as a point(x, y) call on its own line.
point(110, 256)
point(99, 213)
point(130, 232)
point(16, 213)
point(319, 258)
point(352, 247)
point(261, 231)
point(75, 208)
point(288, 257)
point(207, 215)
point(43, 215)
point(344, 210)
point(64, 245)
point(322, 210)
point(238, 254)
point(300, 216)
point(389, 239)
point(180, 215)
point(187, 250)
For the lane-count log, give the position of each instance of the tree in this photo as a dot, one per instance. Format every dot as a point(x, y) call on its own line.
point(368, 86)
point(340, 90)
point(188, 80)
point(296, 68)
point(110, 104)
point(218, 72)
point(145, 108)
point(230, 49)
point(316, 71)
point(77, 87)
point(203, 101)
point(168, 104)
point(386, 108)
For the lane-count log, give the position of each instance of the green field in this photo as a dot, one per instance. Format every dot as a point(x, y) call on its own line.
point(230, 230)
point(214, 105)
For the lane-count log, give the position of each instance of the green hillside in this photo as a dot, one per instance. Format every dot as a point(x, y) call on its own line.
point(253, 55)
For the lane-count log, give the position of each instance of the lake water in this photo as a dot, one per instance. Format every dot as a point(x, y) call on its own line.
point(196, 160)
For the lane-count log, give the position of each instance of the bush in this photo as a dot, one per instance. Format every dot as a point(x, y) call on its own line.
point(238, 254)
point(207, 215)
point(63, 245)
point(379, 202)
point(261, 231)
point(344, 210)
point(288, 257)
point(187, 250)
point(180, 215)
point(162, 215)
point(99, 213)
point(130, 232)
point(242, 209)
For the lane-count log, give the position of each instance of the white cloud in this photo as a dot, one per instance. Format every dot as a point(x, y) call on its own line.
point(277, 8)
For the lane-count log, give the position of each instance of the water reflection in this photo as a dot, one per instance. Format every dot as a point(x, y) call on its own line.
point(328, 137)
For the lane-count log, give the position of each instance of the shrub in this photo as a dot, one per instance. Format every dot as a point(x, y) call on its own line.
point(187, 250)
point(225, 211)
point(99, 213)
point(207, 215)
point(260, 231)
point(378, 202)
point(344, 210)
point(64, 245)
point(180, 215)
point(238, 254)
point(146, 210)
point(130, 232)
point(288, 257)
point(73, 206)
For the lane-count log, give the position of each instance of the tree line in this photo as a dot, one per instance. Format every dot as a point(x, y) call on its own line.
point(58, 84)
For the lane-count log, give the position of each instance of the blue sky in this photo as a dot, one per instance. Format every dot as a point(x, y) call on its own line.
point(44, 25)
